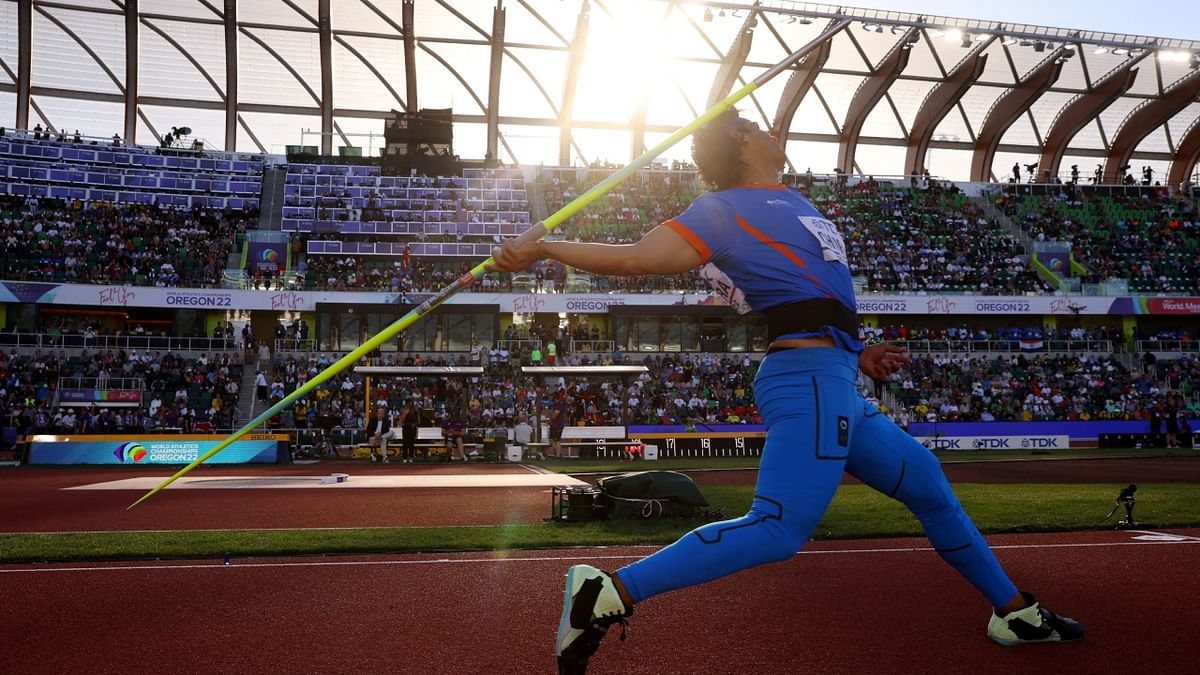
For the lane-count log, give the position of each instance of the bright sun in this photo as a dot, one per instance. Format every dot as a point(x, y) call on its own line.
point(627, 56)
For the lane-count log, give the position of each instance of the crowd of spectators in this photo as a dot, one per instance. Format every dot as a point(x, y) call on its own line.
point(139, 245)
point(1023, 387)
point(1152, 240)
point(915, 241)
point(180, 394)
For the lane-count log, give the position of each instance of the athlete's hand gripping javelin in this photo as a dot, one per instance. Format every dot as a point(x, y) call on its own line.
point(878, 361)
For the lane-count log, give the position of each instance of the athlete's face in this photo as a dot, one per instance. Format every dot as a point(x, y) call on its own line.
point(760, 147)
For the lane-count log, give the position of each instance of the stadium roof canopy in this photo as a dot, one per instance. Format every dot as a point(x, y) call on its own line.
point(563, 82)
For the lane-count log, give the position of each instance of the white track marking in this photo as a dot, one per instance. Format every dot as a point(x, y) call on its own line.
point(144, 483)
point(534, 559)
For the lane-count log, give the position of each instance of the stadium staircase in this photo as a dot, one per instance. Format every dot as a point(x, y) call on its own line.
point(537, 201)
point(270, 216)
point(248, 408)
point(1001, 218)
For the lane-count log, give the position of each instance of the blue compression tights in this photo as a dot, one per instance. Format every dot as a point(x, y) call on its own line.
point(817, 427)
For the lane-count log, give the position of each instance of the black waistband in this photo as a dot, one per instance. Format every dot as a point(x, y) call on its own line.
point(809, 316)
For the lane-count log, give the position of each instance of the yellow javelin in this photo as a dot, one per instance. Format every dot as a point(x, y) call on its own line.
point(534, 233)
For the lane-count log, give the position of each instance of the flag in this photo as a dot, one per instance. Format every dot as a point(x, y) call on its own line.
point(1032, 345)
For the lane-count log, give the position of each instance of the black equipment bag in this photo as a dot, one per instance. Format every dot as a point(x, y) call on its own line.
point(651, 494)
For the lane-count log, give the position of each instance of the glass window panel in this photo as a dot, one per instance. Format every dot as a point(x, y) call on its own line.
point(1071, 76)
point(952, 128)
point(207, 125)
point(432, 19)
point(689, 333)
point(1183, 120)
point(521, 96)
point(1002, 165)
point(8, 46)
point(8, 109)
point(277, 131)
point(978, 102)
point(697, 39)
point(670, 335)
point(879, 160)
point(355, 15)
point(355, 86)
point(876, 44)
point(811, 116)
point(181, 8)
point(758, 334)
point(92, 118)
point(484, 329)
point(470, 140)
point(838, 91)
point(997, 70)
point(672, 106)
point(647, 334)
point(843, 56)
point(1046, 109)
point(921, 61)
point(1173, 71)
point(263, 79)
point(459, 328)
point(1020, 133)
point(59, 61)
point(520, 24)
point(278, 13)
point(166, 72)
point(953, 164)
point(881, 122)
point(439, 87)
point(818, 156)
point(1156, 141)
point(1115, 115)
point(363, 133)
point(908, 95)
point(622, 330)
point(1087, 168)
point(603, 145)
point(1145, 83)
point(736, 335)
point(533, 144)
point(1088, 137)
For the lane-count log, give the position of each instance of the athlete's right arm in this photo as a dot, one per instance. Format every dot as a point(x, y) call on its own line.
point(662, 251)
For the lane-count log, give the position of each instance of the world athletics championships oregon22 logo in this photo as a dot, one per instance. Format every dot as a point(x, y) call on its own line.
point(130, 452)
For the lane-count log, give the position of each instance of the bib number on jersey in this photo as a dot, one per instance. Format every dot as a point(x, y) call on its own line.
point(723, 286)
point(833, 248)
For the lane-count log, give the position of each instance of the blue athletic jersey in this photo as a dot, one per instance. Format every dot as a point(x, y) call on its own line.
point(773, 245)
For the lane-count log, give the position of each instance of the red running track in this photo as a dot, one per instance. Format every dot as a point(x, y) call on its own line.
point(33, 500)
point(880, 606)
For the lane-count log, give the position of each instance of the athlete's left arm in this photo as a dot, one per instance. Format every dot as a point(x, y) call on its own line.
point(879, 360)
point(662, 251)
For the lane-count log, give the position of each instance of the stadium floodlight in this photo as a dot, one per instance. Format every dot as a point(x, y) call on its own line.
point(534, 233)
point(1101, 50)
point(953, 35)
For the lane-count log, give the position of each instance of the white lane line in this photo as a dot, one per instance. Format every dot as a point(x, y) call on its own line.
point(511, 480)
point(489, 560)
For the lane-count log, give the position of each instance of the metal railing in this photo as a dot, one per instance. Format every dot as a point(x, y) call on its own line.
point(125, 342)
point(99, 383)
point(1033, 346)
point(585, 346)
point(1192, 346)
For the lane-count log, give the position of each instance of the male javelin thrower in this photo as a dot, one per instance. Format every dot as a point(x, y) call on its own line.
point(769, 250)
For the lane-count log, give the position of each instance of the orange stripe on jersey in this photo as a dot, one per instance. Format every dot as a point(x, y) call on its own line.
point(750, 229)
point(691, 238)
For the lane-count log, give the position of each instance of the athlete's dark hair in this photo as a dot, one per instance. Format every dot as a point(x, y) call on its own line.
point(717, 150)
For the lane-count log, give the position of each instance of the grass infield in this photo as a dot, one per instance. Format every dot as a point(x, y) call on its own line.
point(856, 512)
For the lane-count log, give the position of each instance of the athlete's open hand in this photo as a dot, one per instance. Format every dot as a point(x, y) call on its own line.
point(514, 257)
point(882, 359)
